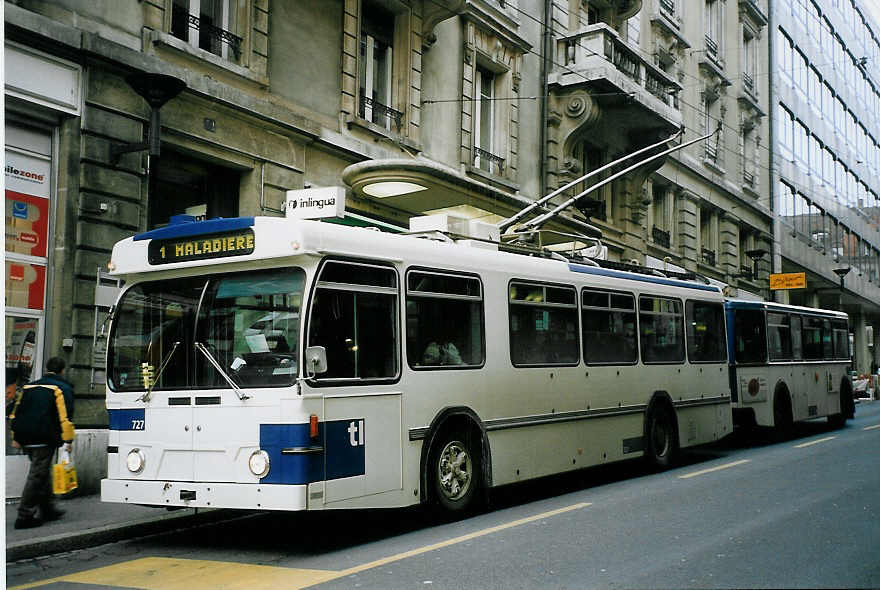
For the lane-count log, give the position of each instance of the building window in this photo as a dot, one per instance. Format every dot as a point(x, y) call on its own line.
point(707, 237)
point(785, 55)
point(595, 205)
point(185, 186)
point(375, 67)
point(750, 63)
point(661, 215)
point(713, 28)
point(750, 156)
point(711, 118)
point(208, 25)
point(485, 156)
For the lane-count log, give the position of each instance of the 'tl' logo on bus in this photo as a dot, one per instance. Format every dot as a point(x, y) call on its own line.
point(356, 434)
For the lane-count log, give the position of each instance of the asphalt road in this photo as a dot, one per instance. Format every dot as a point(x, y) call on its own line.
point(742, 513)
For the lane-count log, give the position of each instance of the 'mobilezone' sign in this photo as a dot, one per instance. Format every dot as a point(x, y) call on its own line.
point(187, 249)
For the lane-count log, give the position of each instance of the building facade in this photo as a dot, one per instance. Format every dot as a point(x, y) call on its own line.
point(475, 107)
point(826, 161)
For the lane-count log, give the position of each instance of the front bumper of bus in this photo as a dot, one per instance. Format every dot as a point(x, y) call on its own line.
point(205, 495)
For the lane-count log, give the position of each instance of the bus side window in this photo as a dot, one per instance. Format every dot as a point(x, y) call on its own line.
point(543, 324)
point(661, 330)
point(779, 336)
point(444, 320)
point(841, 339)
point(797, 347)
point(609, 327)
point(705, 327)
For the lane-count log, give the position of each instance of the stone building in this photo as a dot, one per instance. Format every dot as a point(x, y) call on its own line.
point(826, 159)
point(479, 107)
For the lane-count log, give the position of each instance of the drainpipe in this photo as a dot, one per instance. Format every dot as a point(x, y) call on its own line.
point(775, 226)
point(546, 48)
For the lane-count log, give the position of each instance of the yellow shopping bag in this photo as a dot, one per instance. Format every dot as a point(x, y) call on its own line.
point(63, 474)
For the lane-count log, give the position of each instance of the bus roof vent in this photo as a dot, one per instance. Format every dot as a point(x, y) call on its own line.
point(461, 230)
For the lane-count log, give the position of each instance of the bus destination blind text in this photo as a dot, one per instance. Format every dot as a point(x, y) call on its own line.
point(205, 247)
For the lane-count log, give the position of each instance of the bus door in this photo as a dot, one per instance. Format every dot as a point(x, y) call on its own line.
point(363, 445)
point(354, 316)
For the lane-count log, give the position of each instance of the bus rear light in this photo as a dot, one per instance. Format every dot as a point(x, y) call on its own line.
point(754, 387)
point(313, 426)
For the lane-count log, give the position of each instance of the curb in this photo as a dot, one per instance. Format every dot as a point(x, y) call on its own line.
point(92, 537)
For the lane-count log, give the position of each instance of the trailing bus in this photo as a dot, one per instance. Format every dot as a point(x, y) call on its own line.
point(281, 364)
point(788, 364)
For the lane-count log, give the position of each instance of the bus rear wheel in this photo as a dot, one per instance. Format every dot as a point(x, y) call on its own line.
point(847, 406)
point(455, 472)
point(662, 438)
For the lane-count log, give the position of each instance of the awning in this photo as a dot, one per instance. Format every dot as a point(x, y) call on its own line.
point(419, 185)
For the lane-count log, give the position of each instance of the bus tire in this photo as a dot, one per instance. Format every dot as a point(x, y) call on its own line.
point(455, 471)
point(783, 420)
point(847, 406)
point(661, 433)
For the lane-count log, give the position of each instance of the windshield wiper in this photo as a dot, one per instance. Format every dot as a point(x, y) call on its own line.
point(204, 350)
point(146, 396)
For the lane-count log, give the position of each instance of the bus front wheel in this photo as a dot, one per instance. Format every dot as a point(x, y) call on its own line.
point(455, 471)
point(662, 437)
point(783, 420)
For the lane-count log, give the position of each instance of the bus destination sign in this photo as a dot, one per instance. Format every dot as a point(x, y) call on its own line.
point(188, 249)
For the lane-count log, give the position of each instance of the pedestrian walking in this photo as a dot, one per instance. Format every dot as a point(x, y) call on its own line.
point(41, 422)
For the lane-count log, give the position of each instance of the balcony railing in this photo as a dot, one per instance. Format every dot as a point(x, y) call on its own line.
point(587, 51)
point(749, 84)
point(708, 257)
point(711, 47)
point(375, 111)
point(661, 238)
point(668, 6)
point(210, 36)
point(488, 161)
point(711, 151)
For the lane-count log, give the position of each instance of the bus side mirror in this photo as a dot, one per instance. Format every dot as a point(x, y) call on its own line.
point(316, 360)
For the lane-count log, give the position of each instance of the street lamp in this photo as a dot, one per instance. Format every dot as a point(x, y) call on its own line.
point(756, 255)
point(842, 272)
point(156, 89)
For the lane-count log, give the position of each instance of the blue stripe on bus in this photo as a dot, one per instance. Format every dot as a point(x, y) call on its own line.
point(127, 419)
point(607, 272)
point(196, 228)
point(344, 451)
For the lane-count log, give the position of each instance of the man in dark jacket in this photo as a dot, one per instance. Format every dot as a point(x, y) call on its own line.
point(37, 428)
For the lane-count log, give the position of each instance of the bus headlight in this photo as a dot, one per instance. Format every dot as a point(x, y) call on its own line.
point(259, 463)
point(135, 461)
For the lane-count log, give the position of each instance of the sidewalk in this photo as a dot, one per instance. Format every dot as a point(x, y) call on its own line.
point(89, 522)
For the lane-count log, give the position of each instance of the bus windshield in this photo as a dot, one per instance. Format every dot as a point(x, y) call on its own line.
point(248, 322)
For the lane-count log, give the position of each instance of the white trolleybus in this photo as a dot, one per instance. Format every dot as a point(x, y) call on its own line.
point(283, 364)
point(788, 364)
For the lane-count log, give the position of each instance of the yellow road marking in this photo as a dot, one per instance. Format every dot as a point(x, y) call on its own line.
point(461, 539)
point(814, 442)
point(161, 573)
point(711, 469)
point(871, 427)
